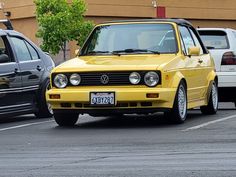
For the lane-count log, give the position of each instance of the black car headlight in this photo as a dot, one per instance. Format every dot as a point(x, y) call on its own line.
point(60, 81)
point(151, 79)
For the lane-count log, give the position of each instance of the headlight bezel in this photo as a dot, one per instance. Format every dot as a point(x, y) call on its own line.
point(62, 76)
point(153, 73)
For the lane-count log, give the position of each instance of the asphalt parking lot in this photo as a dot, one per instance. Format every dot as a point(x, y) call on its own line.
point(126, 146)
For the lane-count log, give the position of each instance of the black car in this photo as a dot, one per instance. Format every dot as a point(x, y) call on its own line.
point(24, 75)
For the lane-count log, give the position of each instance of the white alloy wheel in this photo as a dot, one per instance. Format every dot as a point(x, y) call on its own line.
point(214, 96)
point(49, 106)
point(182, 102)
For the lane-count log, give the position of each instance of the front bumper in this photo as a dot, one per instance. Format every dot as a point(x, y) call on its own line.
point(131, 100)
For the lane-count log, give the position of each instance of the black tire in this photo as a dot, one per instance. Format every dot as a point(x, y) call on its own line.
point(176, 115)
point(65, 120)
point(43, 107)
point(212, 105)
point(116, 115)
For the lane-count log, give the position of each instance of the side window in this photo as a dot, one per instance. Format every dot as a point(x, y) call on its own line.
point(187, 38)
point(21, 49)
point(33, 52)
point(5, 49)
point(182, 46)
point(196, 41)
point(2, 46)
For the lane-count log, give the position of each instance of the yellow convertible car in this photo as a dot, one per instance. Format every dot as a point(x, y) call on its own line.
point(136, 67)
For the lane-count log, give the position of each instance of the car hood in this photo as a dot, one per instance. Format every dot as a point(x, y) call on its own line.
point(117, 63)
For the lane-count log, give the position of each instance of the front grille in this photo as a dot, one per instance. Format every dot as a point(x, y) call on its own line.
point(115, 78)
point(94, 79)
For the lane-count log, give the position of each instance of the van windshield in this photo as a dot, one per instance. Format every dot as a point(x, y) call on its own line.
point(126, 39)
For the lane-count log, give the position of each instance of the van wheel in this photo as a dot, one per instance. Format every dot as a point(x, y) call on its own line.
point(178, 113)
point(44, 108)
point(66, 119)
point(212, 105)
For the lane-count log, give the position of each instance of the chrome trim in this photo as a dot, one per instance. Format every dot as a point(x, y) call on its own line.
point(14, 106)
point(21, 89)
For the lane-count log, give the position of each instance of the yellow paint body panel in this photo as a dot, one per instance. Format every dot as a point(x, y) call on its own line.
point(173, 68)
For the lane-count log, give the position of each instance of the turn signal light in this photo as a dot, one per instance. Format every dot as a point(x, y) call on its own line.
point(55, 96)
point(152, 95)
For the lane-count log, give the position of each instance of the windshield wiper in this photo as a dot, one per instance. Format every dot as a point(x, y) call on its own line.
point(118, 52)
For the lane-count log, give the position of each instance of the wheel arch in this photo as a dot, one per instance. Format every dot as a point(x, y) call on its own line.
point(212, 77)
point(178, 77)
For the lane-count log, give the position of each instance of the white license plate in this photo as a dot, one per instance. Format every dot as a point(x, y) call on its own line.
point(102, 98)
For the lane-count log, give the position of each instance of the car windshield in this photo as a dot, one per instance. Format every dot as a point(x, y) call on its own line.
point(126, 39)
point(214, 39)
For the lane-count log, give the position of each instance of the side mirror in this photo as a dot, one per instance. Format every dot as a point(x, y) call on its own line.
point(194, 51)
point(77, 52)
point(4, 58)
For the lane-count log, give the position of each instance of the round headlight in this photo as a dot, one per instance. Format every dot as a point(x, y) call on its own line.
point(134, 78)
point(60, 81)
point(151, 79)
point(75, 79)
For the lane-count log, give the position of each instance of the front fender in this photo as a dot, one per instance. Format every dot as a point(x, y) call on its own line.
point(174, 79)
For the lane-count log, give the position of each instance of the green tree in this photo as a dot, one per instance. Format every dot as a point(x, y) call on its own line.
point(61, 22)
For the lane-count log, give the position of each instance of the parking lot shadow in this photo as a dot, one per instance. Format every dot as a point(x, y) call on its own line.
point(135, 121)
point(22, 118)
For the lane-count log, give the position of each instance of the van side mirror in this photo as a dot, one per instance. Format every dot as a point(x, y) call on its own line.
point(194, 51)
point(4, 58)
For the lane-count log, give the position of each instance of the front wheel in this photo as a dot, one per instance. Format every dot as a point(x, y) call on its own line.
point(64, 120)
point(212, 105)
point(178, 113)
point(44, 108)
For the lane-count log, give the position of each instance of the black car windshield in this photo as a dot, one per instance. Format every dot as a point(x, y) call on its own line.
point(124, 39)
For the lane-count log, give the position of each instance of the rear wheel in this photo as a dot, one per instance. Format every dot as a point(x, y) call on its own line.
point(178, 113)
point(66, 119)
point(212, 105)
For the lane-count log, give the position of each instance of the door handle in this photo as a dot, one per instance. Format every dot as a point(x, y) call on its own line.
point(39, 68)
point(200, 61)
point(16, 71)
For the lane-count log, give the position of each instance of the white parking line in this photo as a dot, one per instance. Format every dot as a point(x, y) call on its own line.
point(24, 125)
point(209, 123)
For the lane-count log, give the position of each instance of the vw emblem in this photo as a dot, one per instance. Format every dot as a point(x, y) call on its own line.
point(104, 79)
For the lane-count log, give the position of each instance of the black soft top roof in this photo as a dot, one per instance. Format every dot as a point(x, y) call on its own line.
point(173, 20)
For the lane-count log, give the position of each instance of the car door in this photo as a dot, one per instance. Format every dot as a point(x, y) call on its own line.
point(204, 62)
point(193, 70)
point(30, 65)
point(10, 79)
